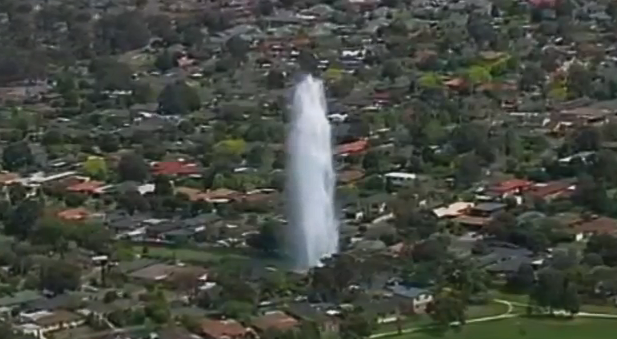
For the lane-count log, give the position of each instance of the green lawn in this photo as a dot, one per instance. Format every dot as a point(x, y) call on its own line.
point(606, 309)
point(525, 328)
point(524, 299)
point(189, 255)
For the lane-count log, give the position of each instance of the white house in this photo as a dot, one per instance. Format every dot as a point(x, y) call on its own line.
point(400, 178)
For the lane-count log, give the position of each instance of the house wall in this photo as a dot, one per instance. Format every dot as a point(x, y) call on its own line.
point(420, 303)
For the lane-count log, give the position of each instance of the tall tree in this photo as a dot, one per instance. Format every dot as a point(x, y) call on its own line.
point(178, 98)
point(448, 307)
point(132, 167)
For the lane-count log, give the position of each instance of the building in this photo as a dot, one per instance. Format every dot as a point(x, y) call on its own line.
point(327, 324)
point(275, 320)
point(223, 329)
point(351, 148)
point(508, 188)
point(453, 210)
point(153, 273)
point(176, 168)
point(552, 190)
point(416, 299)
point(486, 209)
point(598, 225)
point(40, 323)
point(399, 179)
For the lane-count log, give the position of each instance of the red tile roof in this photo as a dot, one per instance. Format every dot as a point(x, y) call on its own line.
point(86, 186)
point(508, 186)
point(351, 148)
point(175, 168)
point(552, 188)
point(218, 329)
point(79, 213)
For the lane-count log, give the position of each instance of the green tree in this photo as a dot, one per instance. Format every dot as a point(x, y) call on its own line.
point(478, 75)
point(95, 167)
point(268, 239)
point(391, 70)
point(132, 167)
point(58, 276)
point(579, 80)
point(549, 290)
point(16, 156)
point(237, 46)
point(22, 218)
point(448, 306)
point(178, 98)
point(163, 186)
point(523, 280)
point(467, 170)
point(230, 148)
point(52, 232)
point(165, 61)
point(356, 325)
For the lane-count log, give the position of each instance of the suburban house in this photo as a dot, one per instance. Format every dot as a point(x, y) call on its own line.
point(453, 210)
point(508, 188)
point(399, 179)
point(153, 273)
point(552, 190)
point(276, 320)
point(42, 322)
point(479, 215)
point(597, 225)
point(316, 314)
point(223, 329)
point(415, 299)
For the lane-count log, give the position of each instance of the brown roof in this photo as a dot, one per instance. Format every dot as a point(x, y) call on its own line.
point(86, 186)
point(275, 320)
point(222, 328)
point(8, 177)
point(349, 176)
point(599, 225)
point(193, 193)
point(221, 193)
point(473, 221)
point(551, 188)
point(79, 213)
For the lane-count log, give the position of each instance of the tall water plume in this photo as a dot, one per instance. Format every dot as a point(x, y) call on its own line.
point(313, 228)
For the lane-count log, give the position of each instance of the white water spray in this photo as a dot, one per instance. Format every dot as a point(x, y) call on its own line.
point(313, 228)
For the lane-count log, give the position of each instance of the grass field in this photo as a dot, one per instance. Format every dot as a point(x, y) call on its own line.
point(524, 299)
point(189, 255)
point(526, 328)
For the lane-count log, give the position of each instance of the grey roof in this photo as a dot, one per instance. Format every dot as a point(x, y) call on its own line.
point(408, 292)
point(20, 298)
point(307, 312)
point(132, 266)
point(510, 265)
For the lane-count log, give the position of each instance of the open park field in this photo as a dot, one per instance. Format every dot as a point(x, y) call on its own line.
point(528, 328)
